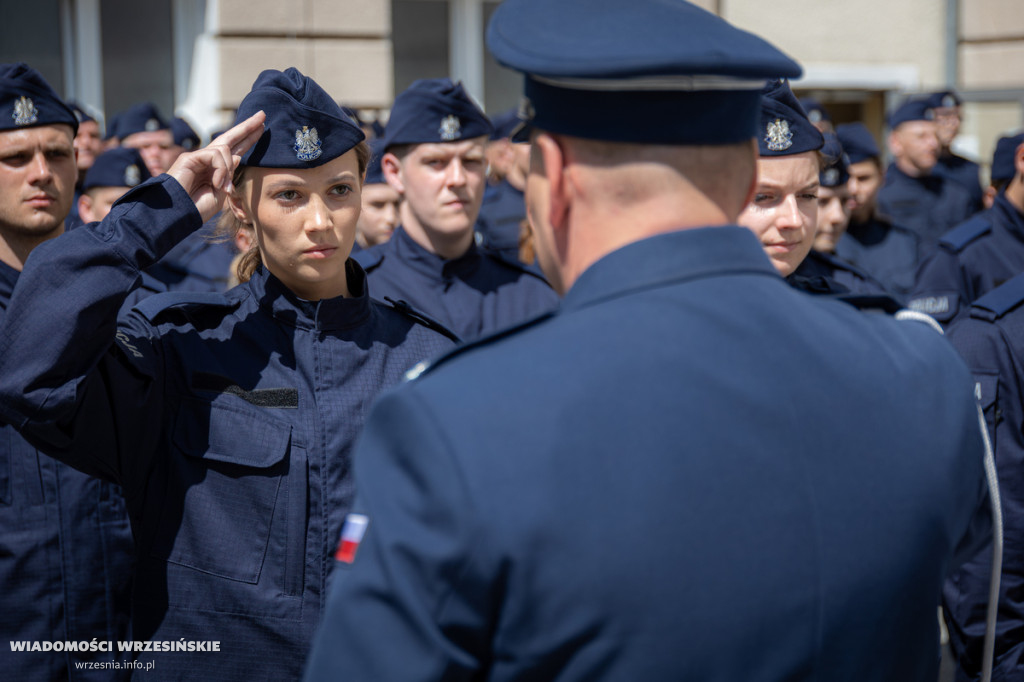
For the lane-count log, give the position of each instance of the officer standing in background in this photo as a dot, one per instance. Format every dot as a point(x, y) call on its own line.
point(504, 206)
point(381, 204)
point(114, 173)
point(1003, 167)
point(65, 542)
point(887, 252)
point(683, 472)
point(142, 127)
point(185, 138)
point(434, 157)
point(914, 195)
point(948, 117)
point(977, 256)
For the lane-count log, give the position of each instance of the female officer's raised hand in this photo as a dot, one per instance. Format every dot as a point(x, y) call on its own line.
point(206, 173)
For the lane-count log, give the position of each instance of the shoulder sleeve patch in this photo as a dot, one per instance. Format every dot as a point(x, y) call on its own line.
point(959, 237)
point(943, 307)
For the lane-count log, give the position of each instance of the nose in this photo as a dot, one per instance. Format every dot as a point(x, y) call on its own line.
point(318, 216)
point(456, 173)
point(42, 173)
point(789, 217)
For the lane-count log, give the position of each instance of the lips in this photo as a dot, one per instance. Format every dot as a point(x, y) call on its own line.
point(321, 251)
point(41, 200)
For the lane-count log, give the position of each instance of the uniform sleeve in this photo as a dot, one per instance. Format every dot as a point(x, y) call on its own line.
point(939, 289)
point(76, 383)
point(412, 604)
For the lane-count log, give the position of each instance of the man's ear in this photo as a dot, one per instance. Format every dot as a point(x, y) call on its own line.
point(391, 167)
point(553, 155)
point(85, 208)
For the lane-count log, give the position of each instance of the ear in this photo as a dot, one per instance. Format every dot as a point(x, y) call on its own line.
point(392, 169)
point(85, 208)
point(553, 155)
point(895, 145)
point(238, 207)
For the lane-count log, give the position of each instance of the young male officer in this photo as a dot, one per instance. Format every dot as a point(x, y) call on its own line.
point(887, 252)
point(115, 172)
point(434, 157)
point(977, 256)
point(65, 543)
point(948, 117)
point(671, 477)
point(915, 196)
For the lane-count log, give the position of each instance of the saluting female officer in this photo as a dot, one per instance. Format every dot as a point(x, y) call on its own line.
point(228, 418)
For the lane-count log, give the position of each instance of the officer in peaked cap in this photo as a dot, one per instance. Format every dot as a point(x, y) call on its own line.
point(977, 256)
point(115, 172)
point(914, 195)
point(142, 127)
point(948, 117)
point(434, 156)
point(65, 542)
point(603, 515)
point(872, 243)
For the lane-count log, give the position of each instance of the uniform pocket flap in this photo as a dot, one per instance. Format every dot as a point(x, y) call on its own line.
point(235, 434)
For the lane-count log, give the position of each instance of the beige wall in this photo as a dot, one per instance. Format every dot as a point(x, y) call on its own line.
point(344, 44)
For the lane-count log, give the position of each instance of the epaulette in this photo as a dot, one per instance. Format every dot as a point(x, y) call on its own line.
point(515, 264)
point(418, 317)
point(426, 366)
point(1000, 300)
point(154, 306)
point(962, 235)
point(368, 259)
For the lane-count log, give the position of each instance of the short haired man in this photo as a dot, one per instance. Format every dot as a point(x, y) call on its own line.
point(434, 157)
point(114, 173)
point(977, 256)
point(681, 473)
point(65, 542)
point(142, 127)
point(948, 116)
point(914, 196)
point(381, 203)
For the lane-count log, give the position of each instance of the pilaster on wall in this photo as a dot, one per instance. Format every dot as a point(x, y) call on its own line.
point(991, 45)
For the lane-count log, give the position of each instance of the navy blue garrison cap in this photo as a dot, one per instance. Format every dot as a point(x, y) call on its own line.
point(505, 124)
point(435, 110)
point(946, 99)
point(915, 109)
point(785, 129)
point(374, 173)
point(140, 118)
point(81, 114)
point(184, 136)
point(305, 127)
point(27, 100)
point(816, 113)
point(1003, 167)
point(112, 124)
point(858, 142)
point(689, 75)
point(836, 171)
point(120, 167)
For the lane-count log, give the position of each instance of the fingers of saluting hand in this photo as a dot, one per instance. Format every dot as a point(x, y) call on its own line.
point(231, 145)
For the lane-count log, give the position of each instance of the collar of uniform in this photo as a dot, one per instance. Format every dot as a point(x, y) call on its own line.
point(8, 277)
point(325, 314)
point(932, 182)
point(430, 264)
point(671, 258)
point(1012, 217)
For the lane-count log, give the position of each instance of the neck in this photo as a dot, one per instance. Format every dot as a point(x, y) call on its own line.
point(15, 248)
point(447, 246)
point(910, 169)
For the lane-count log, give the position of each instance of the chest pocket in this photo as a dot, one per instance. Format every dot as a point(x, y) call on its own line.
point(226, 472)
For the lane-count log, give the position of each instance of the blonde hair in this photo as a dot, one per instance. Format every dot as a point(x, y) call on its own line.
point(228, 225)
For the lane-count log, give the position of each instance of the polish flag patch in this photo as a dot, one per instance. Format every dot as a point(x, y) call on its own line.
point(351, 535)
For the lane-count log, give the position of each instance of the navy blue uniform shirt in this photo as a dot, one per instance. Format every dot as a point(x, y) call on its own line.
point(476, 293)
point(838, 275)
point(887, 252)
point(65, 557)
point(928, 206)
point(228, 419)
point(991, 339)
point(502, 212)
point(972, 259)
point(663, 472)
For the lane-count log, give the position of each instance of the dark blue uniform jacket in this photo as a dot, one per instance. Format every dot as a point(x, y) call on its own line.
point(928, 206)
point(886, 252)
point(228, 419)
point(476, 293)
point(501, 213)
point(691, 471)
point(964, 172)
point(991, 340)
point(973, 259)
point(834, 274)
point(65, 556)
